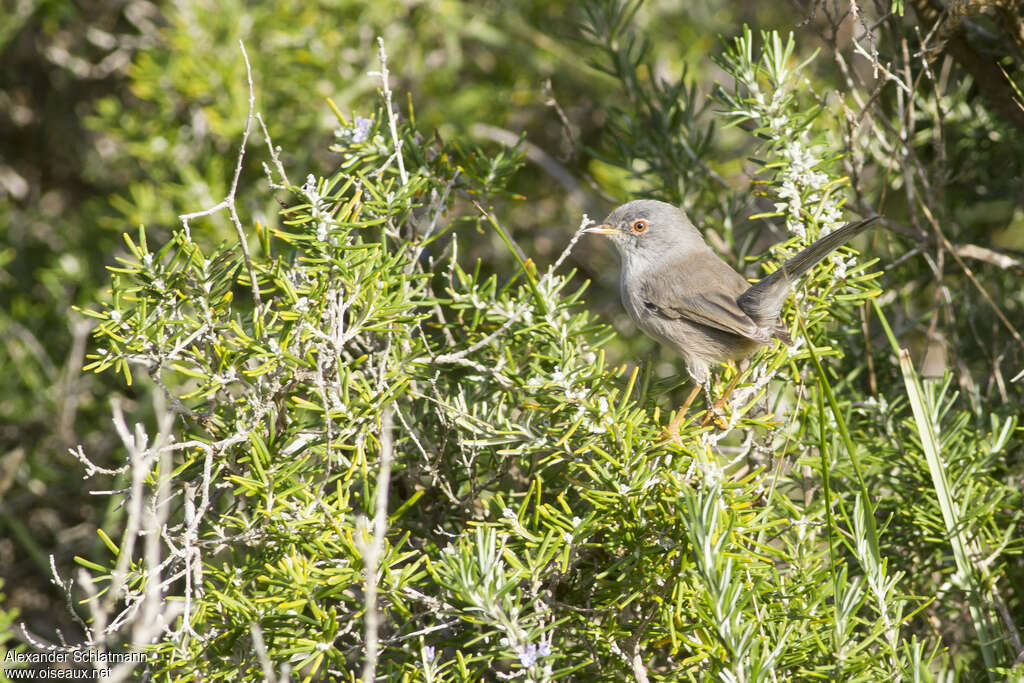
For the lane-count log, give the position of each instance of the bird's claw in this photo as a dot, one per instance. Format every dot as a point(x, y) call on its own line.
point(713, 416)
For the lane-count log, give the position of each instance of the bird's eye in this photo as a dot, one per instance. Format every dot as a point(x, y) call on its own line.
point(639, 227)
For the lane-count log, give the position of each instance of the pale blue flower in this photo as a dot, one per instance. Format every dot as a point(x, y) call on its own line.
point(361, 131)
point(528, 655)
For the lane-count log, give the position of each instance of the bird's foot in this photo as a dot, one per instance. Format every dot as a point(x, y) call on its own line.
point(715, 411)
point(672, 431)
point(713, 415)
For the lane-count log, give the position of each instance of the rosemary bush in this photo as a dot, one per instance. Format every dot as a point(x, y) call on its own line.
point(376, 457)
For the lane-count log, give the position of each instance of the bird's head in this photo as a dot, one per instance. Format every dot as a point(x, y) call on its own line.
point(647, 229)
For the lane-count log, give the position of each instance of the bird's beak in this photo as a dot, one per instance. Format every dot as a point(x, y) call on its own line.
point(603, 229)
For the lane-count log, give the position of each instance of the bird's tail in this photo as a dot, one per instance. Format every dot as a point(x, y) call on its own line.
point(763, 301)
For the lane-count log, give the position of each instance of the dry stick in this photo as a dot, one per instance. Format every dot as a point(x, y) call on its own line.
point(438, 210)
point(153, 618)
point(277, 162)
point(69, 378)
point(136, 443)
point(274, 156)
point(372, 553)
point(146, 611)
point(386, 91)
point(941, 291)
point(229, 201)
point(970, 273)
point(995, 258)
point(958, 252)
point(954, 252)
point(260, 646)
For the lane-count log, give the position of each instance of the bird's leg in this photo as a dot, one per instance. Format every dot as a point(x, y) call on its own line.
point(714, 410)
point(720, 403)
point(707, 396)
point(673, 427)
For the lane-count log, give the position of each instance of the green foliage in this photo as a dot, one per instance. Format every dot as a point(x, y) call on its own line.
point(7, 619)
point(657, 133)
point(283, 399)
point(383, 447)
point(537, 524)
point(115, 116)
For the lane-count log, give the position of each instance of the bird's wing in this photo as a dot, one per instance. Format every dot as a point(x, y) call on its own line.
point(702, 290)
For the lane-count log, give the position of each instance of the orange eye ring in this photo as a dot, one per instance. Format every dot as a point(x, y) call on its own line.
point(639, 227)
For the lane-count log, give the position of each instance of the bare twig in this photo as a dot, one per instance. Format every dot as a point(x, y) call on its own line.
point(995, 258)
point(392, 123)
point(274, 155)
point(229, 201)
point(261, 653)
point(970, 275)
point(375, 549)
point(70, 374)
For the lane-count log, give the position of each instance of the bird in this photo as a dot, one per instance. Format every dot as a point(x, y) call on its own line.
point(682, 294)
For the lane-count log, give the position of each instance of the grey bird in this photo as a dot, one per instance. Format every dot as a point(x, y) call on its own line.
point(678, 291)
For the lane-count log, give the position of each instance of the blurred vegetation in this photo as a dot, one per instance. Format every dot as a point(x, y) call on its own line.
point(114, 116)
